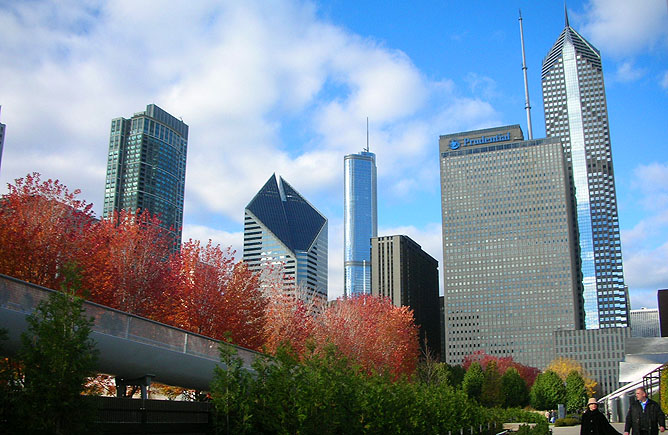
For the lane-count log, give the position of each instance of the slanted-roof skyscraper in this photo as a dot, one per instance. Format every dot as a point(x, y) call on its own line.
point(283, 229)
point(146, 168)
point(360, 220)
point(576, 112)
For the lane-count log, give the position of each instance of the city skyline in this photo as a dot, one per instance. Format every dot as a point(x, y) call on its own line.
point(286, 87)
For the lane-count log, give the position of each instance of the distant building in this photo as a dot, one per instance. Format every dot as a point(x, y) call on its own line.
point(576, 113)
point(146, 167)
point(403, 272)
point(598, 351)
point(645, 323)
point(510, 266)
point(360, 220)
point(2, 139)
point(283, 230)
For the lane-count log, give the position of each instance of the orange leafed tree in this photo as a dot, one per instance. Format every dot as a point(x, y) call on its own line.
point(216, 297)
point(372, 332)
point(126, 264)
point(528, 373)
point(42, 225)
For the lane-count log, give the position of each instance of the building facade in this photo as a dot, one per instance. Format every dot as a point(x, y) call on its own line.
point(645, 322)
point(146, 167)
point(509, 261)
point(598, 351)
point(408, 276)
point(284, 232)
point(576, 113)
point(360, 221)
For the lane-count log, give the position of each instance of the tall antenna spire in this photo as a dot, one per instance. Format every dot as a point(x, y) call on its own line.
point(367, 134)
point(527, 105)
point(566, 14)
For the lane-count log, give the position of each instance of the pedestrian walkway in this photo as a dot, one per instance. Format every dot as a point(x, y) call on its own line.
point(575, 430)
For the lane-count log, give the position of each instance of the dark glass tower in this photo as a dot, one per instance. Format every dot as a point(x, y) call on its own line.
point(282, 229)
point(360, 220)
point(146, 168)
point(576, 112)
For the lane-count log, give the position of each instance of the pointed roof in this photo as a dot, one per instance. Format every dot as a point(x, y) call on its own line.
point(582, 47)
point(287, 214)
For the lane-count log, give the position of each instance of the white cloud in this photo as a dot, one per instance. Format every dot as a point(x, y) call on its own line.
point(647, 268)
point(627, 72)
point(233, 240)
point(622, 27)
point(664, 81)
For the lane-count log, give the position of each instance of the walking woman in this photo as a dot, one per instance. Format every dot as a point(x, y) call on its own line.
point(594, 422)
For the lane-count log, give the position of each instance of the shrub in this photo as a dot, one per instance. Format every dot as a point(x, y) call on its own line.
point(568, 421)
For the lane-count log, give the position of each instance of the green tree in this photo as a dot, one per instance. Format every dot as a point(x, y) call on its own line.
point(11, 384)
point(57, 356)
point(576, 392)
point(491, 387)
point(548, 391)
point(473, 381)
point(514, 389)
point(455, 375)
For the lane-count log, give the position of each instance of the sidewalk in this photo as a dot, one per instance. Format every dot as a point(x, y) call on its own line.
point(575, 430)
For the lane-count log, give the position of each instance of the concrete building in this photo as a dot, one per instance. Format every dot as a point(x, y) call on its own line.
point(283, 230)
point(360, 221)
point(511, 275)
point(403, 272)
point(146, 167)
point(645, 322)
point(576, 113)
point(599, 352)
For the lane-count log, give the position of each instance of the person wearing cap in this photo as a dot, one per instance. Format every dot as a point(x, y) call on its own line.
point(645, 416)
point(594, 422)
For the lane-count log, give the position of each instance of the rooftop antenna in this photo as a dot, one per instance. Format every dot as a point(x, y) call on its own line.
point(367, 134)
point(527, 105)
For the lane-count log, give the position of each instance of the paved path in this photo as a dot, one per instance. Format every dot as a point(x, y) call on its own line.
point(575, 430)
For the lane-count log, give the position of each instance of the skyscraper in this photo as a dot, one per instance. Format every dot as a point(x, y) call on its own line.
point(406, 274)
point(360, 220)
point(509, 261)
point(576, 113)
point(146, 168)
point(2, 139)
point(282, 229)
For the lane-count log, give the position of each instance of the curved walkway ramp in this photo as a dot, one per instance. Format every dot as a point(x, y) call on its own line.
point(131, 347)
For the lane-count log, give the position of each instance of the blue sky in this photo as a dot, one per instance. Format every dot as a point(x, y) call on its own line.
point(286, 86)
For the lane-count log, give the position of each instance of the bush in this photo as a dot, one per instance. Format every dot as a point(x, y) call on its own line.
point(568, 421)
point(514, 415)
point(541, 428)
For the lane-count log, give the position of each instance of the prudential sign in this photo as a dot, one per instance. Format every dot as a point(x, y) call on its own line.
point(456, 144)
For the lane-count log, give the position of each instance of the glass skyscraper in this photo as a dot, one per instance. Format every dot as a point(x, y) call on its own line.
point(282, 230)
point(146, 168)
point(360, 220)
point(576, 113)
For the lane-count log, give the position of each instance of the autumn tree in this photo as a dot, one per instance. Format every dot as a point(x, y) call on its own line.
point(473, 381)
point(491, 387)
point(126, 264)
point(216, 297)
point(41, 228)
point(564, 366)
point(372, 332)
point(514, 389)
point(503, 363)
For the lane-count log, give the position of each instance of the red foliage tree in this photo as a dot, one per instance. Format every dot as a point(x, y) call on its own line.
point(215, 297)
point(126, 264)
point(371, 332)
point(42, 225)
point(503, 363)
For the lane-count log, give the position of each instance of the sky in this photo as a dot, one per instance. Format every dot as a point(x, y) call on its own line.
point(285, 87)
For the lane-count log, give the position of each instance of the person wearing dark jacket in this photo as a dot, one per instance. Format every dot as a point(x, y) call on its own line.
point(645, 416)
point(594, 422)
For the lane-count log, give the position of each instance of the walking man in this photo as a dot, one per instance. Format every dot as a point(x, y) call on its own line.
point(645, 416)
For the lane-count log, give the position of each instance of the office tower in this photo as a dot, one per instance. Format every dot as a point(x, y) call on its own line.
point(403, 272)
point(360, 220)
point(146, 168)
point(576, 113)
point(645, 322)
point(509, 261)
point(2, 139)
point(283, 230)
